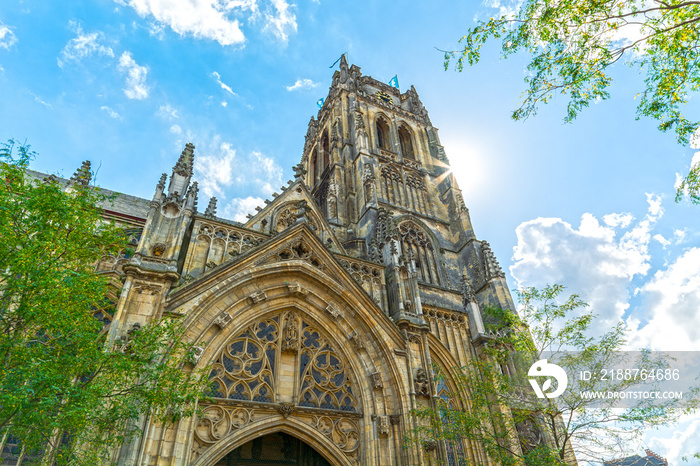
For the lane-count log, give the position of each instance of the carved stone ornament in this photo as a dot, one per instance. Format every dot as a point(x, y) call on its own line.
point(222, 320)
point(395, 419)
point(257, 297)
point(383, 425)
point(216, 422)
point(333, 311)
point(147, 289)
point(285, 409)
point(356, 340)
point(197, 353)
point(297, 290)
point(343, 432)
point(420, 382)
point(158, 249)
point(290, 333)
point(377, 380)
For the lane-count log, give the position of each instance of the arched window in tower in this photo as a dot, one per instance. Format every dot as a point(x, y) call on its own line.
point(406, 141)
point(326, 150)
point(416, 245)
point(383, 138)
point(392, 184)
point(313, 168)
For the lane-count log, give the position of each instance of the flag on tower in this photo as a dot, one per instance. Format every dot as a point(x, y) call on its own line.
point(336, 61)
point(319, 102)
point(394, 82)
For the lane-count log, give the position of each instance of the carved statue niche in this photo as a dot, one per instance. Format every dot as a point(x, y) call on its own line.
point(361, 137)
point(290, 333)
point(420, 382)
point(332, 197)
point(368, 183)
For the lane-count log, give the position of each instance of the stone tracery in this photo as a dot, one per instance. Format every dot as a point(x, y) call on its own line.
point(245, 368)
point(416, 243)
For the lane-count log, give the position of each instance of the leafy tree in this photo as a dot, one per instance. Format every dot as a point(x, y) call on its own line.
point(66, 395)
point(573, 43)
point(515, 426)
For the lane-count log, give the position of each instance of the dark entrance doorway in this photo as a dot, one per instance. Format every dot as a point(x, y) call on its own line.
point(274, 449)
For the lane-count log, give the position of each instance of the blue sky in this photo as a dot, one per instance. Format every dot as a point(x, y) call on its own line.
point(126, 83)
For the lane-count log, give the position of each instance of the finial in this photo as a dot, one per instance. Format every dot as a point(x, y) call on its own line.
point(211, 208)
point(491, 265)
point(82, 175)
point(192, 194)
point(185, 163)
point(161, 182)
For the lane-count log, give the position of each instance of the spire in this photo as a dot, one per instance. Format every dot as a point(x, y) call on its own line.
point(185, 164)
point(82, 175)
point(191, 198)
point(211, 208)
point(182, 172)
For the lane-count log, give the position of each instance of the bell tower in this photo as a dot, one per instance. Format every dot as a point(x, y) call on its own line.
point(375, 166)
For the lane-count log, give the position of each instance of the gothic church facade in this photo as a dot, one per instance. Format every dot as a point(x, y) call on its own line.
point(321, 319)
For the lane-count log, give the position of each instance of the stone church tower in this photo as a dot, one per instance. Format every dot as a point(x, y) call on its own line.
point(321, 320)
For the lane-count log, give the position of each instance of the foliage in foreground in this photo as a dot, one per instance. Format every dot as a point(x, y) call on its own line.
point(514, 426)
point(573, 43)
point(65, 395)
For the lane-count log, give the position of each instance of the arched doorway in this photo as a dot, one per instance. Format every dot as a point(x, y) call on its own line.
point(278, 448)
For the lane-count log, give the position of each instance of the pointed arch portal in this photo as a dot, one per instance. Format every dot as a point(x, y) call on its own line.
point(277, 448)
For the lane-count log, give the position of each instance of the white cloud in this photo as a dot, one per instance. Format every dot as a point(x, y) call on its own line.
point(618, 220)
point(136, 87)
point(209, 19)
point(167, 112)
point(156, 30)
point(302, 84)
point(663, 241)
point(223, 85)
point(238, 208)
point(672, 300)
point(224, 103)
point(679, 235)
point(596, 261)
point(111, 112)
point(82, 46)
point(695, 160)
point(7, 37)
point(684, 440)
point(215, 172)
point(263, 172)
point(39, 100)
point(280, 21)
point(175, 129)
